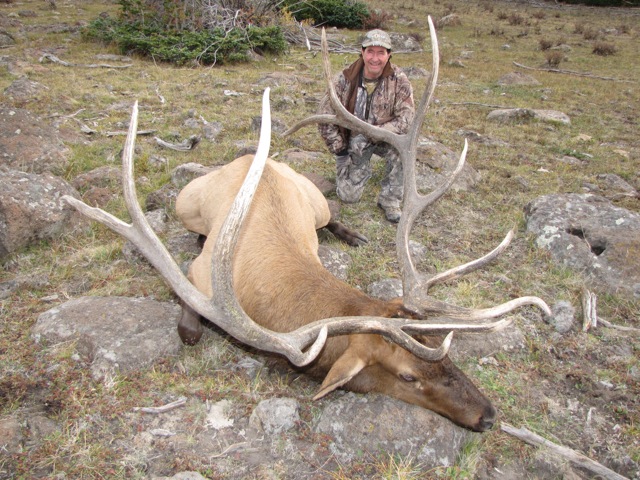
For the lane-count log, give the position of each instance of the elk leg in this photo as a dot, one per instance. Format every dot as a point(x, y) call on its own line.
point(346, 234)
point(189, 327)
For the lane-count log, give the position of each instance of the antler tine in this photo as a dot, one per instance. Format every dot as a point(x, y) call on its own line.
point(227, 315)
point(427, 96)
point(461, 270)
point(139, 232)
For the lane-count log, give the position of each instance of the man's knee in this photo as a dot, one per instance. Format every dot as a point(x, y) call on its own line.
point(348, 192)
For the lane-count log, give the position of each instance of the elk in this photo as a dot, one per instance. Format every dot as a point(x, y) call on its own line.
point(259, 277)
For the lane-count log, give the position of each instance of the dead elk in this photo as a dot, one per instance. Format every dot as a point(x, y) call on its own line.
point(259, 278)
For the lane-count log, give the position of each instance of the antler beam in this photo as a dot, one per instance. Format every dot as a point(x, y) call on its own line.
point(416, 284)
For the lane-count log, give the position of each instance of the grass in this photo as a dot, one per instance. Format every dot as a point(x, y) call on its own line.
point(526, 387)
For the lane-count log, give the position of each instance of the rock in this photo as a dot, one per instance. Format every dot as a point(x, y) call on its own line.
point(517, 78)
point(218, 415)
point(373, 423)
point(466, 346)
point(277, 126)
point(476, 137)
point(186, 172)
point(435, 161)
point(23, 90)
point(275, 415)
point(182, 476)
point(451, 20)
point(334, 260)
point(589, 235)
point(402, 42)
point(321, 183)
point(98, 197)
point(99, 177)
point(415, 72)
point(615, 185)
point(386, 289)
point(32, 209)
point(165, 197)
point(296, 156)
point(11, 438)
point(8, 288)
point(211, 130)
point(6, 39)
point(520, 115)
point(28, 144)
point(158, 220)
point(563, 316)
point(110, 57)
point(145, 331)
point(41, 427)
point(277, 79)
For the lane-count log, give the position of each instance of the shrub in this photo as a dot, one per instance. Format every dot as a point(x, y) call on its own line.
point(335, 13)
point(545, 44)
point(209, 46)
point(590, 34)
point(604, 48)
point(554, 57)
point(516, 19)
point(377, 19)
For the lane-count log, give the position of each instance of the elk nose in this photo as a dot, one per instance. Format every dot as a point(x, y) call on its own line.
point(487, 419)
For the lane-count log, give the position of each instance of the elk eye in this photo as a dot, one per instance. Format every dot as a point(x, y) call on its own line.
point(407, 377)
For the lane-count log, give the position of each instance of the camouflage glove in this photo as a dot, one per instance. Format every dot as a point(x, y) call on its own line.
point(358, 144)
point(343, 160)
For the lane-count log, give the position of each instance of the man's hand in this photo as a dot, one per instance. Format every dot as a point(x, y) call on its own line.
point(358, 143)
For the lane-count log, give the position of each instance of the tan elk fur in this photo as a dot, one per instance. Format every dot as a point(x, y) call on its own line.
point(281, 284)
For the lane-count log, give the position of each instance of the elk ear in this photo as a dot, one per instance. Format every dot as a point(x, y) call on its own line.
point(343, 370)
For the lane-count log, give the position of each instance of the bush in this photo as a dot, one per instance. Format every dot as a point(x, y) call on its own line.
point(604, 48)
point(554, 57)
point(209, 46)
point(377, 19)
point(545, 44)
point(334, 13)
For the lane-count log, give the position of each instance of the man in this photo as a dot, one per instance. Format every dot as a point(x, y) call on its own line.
point(378, 92)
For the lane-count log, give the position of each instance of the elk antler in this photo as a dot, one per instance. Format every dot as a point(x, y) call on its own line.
point(301, 346)
point(416, 285)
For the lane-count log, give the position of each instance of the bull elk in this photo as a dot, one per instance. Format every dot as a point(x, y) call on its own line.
point(259, 277)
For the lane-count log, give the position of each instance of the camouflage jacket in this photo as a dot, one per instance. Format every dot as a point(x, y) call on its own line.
point(391, 108)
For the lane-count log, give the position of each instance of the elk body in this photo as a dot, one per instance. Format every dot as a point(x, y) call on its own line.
point(259, 277)
point(282, 285)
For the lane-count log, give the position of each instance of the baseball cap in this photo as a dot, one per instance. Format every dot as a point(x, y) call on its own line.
point(377, 38)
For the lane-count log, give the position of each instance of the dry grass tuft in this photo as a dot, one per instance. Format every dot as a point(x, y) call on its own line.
point(554, 57)
point(378, 19)
point(604, 48)
point(545, 44)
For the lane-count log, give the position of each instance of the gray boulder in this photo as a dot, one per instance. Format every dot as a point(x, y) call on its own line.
point(589, 234)
point(113, 333)
point(186, 172)
point(435, 161)
point(521, 115)
point(517, 78)
point(276, 415)
point(23, 90)
point(27, 143)
point(32, 209)
point(374, 423)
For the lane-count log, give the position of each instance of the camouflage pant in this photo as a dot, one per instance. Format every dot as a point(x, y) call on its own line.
point(354, 170)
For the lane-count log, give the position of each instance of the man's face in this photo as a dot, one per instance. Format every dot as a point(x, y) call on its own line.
point(375, 58)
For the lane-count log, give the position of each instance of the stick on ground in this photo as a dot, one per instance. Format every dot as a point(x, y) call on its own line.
point(574, 457)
